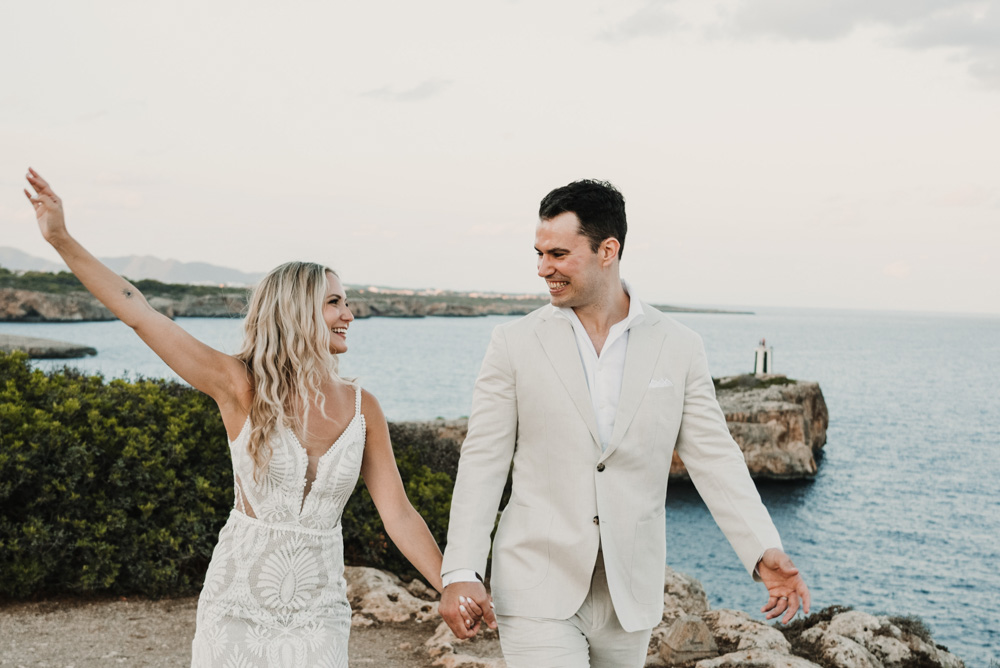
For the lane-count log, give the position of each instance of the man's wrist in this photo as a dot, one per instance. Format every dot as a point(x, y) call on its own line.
point(460, 575)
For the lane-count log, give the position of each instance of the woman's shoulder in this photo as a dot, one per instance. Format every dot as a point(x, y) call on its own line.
point(370, 406)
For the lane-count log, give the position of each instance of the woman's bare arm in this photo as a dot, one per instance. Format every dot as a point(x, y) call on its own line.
point(403, 523)
point(219, 375)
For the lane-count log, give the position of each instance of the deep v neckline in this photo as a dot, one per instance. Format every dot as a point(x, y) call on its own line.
point(330, 448)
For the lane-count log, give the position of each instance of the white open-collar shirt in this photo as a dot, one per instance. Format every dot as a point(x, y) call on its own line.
point(605, 369)
point(604, 372)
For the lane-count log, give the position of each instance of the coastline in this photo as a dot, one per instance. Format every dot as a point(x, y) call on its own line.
point(26, 305)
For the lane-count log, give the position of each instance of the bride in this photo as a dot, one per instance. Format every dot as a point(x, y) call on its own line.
point(299, 435)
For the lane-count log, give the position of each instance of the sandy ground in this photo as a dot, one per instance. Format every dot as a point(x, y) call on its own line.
point(69, 633)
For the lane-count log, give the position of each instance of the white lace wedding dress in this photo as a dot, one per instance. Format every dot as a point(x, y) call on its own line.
point(274, 594)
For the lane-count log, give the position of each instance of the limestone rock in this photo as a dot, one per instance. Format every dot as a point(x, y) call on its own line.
point(779, 424)
point(854, 638)
point(682, 595)
point(840, 651)
point(739, 631)
point(378, 596)
point(30, 306)
point(37, 348)
point(756, 658)
point(688, 639)
point(481, 651)
point(228, 305)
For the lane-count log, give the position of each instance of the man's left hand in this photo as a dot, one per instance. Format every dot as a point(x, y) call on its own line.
point(785, 587)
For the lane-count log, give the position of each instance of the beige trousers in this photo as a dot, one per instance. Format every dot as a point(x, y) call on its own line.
point(592, 638)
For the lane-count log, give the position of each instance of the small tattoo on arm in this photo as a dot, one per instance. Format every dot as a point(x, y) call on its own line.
point(127, 293)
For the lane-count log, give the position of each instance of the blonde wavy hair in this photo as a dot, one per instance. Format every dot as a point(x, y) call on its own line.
point(286, 349)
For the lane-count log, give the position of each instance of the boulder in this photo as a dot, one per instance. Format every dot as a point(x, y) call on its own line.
point(687, 639)
point(756, 658)
point(682, 595)
point(378, 596)
point(480, 651)
point(854, 638)
point(734, 630)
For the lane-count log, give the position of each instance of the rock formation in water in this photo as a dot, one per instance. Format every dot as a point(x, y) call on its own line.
point(37, 348)
point(779, 423)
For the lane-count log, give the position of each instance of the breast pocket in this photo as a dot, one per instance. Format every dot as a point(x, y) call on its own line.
point(521, 547)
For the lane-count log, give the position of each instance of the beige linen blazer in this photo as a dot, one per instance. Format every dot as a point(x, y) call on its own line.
point(531, 406)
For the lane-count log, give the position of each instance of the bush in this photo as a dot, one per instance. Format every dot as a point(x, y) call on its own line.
point(118, 487)
point(122, 487)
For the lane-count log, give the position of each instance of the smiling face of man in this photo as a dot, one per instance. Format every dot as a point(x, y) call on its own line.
point(574, 274)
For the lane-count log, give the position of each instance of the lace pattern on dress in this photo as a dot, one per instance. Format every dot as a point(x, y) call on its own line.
point(274, 593)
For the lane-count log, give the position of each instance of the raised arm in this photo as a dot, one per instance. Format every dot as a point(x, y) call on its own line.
point(220, 376)
point(403, 523)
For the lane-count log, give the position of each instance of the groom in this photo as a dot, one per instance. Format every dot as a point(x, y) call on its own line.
point(589, 397)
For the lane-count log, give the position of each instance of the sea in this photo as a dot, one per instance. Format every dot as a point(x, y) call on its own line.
point(903, 517)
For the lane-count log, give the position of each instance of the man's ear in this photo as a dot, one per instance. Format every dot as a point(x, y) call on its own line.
point(608, 250)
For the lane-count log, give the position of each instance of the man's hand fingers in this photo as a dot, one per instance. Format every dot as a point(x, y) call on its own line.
point(793, 607)
point(489, 615)
point(779, 606)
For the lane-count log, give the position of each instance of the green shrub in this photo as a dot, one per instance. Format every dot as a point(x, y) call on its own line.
point(122, 487)
point(119, 487)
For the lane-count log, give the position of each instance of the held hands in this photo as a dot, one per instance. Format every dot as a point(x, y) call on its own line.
point(48, 207)
point(465, 605)
point(785, 587)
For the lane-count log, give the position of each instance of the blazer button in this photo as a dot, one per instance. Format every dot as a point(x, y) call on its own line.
point(600, 467)
point(596, 520)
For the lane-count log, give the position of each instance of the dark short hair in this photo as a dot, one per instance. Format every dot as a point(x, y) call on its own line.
point(599, 206)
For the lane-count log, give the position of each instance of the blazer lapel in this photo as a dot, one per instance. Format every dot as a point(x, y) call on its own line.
point(559, 342)
point(645, 341)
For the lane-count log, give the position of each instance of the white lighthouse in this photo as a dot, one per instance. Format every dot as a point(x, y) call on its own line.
point(763, 359)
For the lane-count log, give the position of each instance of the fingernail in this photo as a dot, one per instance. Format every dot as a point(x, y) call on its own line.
point(462, 599)
point(462, 608)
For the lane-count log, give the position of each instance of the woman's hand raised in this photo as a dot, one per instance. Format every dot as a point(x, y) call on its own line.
point(48, 207)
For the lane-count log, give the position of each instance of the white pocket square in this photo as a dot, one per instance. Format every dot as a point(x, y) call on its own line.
point(660, 382)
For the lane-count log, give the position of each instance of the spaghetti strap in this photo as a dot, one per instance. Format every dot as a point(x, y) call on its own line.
point(357, 399)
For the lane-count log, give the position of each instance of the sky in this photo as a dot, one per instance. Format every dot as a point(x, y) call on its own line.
point(818, 153)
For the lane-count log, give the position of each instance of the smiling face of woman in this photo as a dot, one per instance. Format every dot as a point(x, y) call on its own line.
point(337, 314)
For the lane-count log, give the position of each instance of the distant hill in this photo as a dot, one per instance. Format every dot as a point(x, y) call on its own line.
point(11, 258)
point(139, 267)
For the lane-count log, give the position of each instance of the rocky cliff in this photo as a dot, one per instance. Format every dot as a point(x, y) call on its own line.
point(30, 306)
point(779, 423)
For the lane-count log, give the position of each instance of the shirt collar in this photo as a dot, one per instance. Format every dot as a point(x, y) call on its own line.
point(635, 314)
